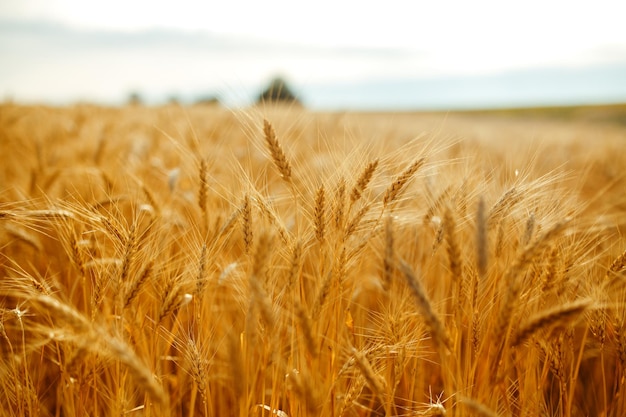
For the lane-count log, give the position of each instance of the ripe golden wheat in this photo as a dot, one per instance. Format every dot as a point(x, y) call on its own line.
point(204, 262)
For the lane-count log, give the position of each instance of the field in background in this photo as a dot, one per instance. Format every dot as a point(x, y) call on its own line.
point(275, 262)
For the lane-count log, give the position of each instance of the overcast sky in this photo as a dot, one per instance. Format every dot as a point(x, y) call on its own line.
point(68, 49)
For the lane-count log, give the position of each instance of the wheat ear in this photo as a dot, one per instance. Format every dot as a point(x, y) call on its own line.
point(354, 223)
point(482, 249)
point(617, 265)
point(436, 204)
point(433, 322)
point(174, 298)
point(307, 330)
point(77, 255)
point(363, 181)
point(93, 335)
point(202, 268)
point(338, 206)
point(198, 367)
point(246, 218)
point(203, 190)
point(500, 331)
point(295, 264)
point(506, 202)
point(388, 261)
point(258, 293)
point(398, 184)
point(278, 155)
point(133, 290)
point(375, 381)
point(510, 278)
point(130, 249)
point(558, 316)
point(454, 252)
point(320, 214)
point(530, 228)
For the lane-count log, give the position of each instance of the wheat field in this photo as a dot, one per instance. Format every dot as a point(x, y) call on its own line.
point(278, 262)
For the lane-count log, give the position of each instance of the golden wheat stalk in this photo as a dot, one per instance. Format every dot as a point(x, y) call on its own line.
point(295, 264)
point(482, 249)
point(355, 221)
point(152, 201)
point(130, 250)
point(513, 287)
point(433, 322)
point(77, 255)
point(174, 298)
point(363, 181)
point(201, 278)
point(203, 189)
point(94, 337)
point(376, 383)
point(617, 265)
point(322, 294)
point(113, 229)
point(268, 212)
point(530, 228)
point(351, 396)
point(246, 218)
point(140, 373)
point(44, 214)
point(505, 203)
point(339, 204)
point(398, 184)
point(307, 330)
point(319, 214)
point(432, 209)
point(388, 260)
point(534, 249)
point(197, 367)
point(278, 155)
point(23, 235)
point(133, 289)
point(454, 251)
point(257, 292)
point(557, 316)
point(301, 384)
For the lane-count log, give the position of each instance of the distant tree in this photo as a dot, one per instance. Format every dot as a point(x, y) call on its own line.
point(134, 99)
point(173, 100)
point(277, 91)
point(209, 100)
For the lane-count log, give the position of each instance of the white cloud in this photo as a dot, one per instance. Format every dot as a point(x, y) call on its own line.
point(489, 24)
